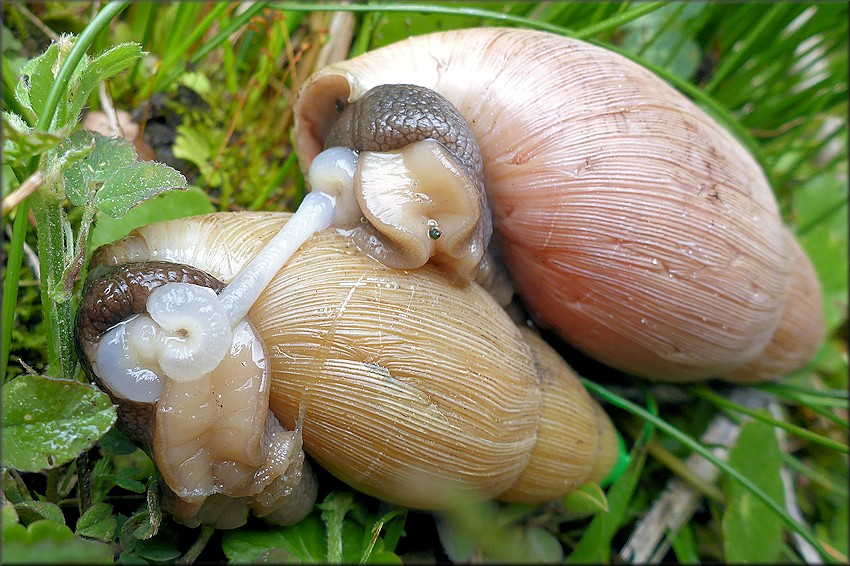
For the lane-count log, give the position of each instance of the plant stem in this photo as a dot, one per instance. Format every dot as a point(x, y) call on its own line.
point(198, 546)
point(58, 315)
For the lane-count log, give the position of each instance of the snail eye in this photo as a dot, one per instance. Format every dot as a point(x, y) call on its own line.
point(339, 105)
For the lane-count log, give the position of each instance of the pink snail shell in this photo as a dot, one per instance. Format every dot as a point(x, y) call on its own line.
point(631, 223)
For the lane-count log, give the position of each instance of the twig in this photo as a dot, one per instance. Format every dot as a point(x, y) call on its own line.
point(679, 501)
point(109, 109)
point(38, 23)
point(27, 188)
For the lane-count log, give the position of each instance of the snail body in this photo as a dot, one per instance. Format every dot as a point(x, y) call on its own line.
point(630, 222)
point(406, 387)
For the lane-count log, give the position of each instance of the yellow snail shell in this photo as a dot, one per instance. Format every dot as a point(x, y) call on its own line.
point(402, 385)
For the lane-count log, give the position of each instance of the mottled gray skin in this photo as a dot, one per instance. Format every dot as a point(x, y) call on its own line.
point(392, 116)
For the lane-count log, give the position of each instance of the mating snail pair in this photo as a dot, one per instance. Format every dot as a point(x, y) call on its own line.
point(629, 222)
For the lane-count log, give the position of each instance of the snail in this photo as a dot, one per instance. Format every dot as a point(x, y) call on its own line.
point(402, 384)
point(630, 222)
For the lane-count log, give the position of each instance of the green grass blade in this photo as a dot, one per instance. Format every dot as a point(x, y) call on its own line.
point(735, 58)
point(786, 389)
point(703, 393)
point(423, 9)
point(617, 20)
point(816, 476)
point(173, 54)
point(708, 455)
point(11, 281)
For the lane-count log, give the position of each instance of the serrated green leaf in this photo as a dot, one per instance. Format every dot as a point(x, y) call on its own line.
point(751, 532)
point(109, 155)
point(31, 511)
point(98, 523)
point(21, 143)
point(304, 541)
point(134, 184)
point(69, 417)
point(105, 65)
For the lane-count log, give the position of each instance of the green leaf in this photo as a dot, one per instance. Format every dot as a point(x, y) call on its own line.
point(65, 170)
point(751, 533)
point(487, 531)
point(48, 542)
point(126, 479)
point(21, 143)
point(98, 523)
point(163, 547)
point(115, 443)
point(304, 541)
point(195, 146)
point(105, 65)
point(587, 500)
point(30, 511)
point(36, 80)
point(540, 545)
point(134, 184)
point(49, 422)
point(166, 206)
point(100, 163)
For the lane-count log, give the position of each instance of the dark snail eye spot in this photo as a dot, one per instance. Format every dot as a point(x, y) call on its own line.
point(339, 105)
